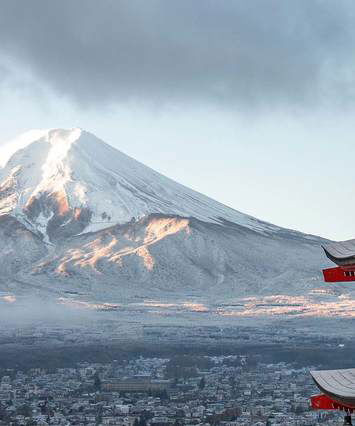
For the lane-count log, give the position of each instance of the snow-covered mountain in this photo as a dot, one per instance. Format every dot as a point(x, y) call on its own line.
point(75, 209)
point(66, 182)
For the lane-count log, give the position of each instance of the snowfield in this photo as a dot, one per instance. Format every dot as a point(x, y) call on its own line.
point(72, 169)
point(79, 217)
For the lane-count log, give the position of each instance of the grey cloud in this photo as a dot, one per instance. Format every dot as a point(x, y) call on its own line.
point(263, 52)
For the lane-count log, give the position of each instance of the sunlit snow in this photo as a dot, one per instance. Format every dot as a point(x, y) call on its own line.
point(78, 170)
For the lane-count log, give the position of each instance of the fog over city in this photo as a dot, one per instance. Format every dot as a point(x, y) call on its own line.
point(35, 311)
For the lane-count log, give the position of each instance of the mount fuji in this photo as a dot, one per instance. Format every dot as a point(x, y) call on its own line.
point(77, 215)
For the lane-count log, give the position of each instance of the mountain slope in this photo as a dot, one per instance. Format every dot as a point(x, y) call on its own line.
point(73, 181)
point(169, 255)
point(89, 217)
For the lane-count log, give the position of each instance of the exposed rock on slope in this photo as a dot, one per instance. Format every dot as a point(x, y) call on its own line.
point(19, 247)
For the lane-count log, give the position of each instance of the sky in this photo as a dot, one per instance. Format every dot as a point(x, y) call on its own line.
point(251, 103)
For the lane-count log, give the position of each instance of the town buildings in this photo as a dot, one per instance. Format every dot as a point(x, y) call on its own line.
point(224, 390)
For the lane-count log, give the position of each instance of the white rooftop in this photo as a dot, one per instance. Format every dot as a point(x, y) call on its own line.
point(336, 383)
point(341, 249)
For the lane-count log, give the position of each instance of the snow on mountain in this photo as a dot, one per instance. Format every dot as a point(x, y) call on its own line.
point(170, 256)
point(65, 182)
point(78, 215)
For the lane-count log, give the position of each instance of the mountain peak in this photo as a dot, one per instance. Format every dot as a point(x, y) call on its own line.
point(60, 136)
point(67, 181)
point(52, 136)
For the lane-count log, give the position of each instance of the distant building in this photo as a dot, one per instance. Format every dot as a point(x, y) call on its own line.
point(135, 384)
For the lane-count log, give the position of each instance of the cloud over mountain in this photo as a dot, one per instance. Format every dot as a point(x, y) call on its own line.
point(240, 53)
